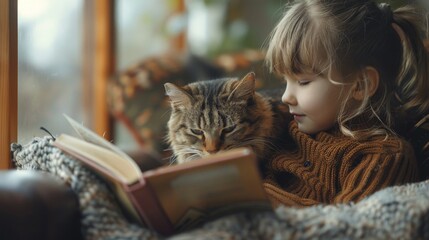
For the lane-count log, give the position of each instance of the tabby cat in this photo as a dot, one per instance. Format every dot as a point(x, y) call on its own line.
point(216, 115)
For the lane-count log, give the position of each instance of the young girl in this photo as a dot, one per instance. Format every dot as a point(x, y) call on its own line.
point(357, 78)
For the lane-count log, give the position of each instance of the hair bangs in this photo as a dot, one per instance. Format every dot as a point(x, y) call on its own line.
point(299, 45)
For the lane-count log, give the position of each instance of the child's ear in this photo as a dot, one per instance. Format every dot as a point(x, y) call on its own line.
point(370, 74)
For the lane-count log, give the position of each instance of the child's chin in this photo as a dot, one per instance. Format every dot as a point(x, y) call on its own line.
point(307, 130)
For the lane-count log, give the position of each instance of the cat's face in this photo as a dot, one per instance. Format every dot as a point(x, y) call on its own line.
point(212, 116)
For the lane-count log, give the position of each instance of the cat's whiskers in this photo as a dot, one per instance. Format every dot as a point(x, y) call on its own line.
point(191, 153)
point(173, 159)
point(193, 157)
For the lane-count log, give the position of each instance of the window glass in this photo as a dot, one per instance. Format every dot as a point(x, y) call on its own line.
point(144, 28)
point(141, 29)
point(222, 26)
point(49, 65)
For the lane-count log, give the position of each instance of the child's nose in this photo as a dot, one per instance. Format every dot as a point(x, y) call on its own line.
point(288, 97)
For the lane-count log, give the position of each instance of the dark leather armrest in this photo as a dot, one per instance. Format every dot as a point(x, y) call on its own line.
point(36, 205)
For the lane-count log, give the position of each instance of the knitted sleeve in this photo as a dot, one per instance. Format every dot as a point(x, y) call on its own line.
point(378, 170)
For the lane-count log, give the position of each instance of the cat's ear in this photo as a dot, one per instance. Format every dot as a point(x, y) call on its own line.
point(245, 88)
point(178, 96)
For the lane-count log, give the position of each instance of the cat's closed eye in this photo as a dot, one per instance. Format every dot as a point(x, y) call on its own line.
point(229, 129)
point(197, 131)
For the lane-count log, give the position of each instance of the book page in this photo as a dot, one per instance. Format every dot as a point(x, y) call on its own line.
point(89, 136)
point(99, 159)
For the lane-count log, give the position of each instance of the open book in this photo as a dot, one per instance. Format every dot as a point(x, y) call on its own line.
point(172, 198)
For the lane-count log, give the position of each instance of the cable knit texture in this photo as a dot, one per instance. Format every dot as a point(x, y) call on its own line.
point(400, 212)
point(332, 168)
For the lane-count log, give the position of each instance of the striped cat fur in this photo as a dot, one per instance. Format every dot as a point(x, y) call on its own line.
point(216, 115)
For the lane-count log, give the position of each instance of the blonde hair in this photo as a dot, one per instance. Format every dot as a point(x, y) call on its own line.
point(316, 36)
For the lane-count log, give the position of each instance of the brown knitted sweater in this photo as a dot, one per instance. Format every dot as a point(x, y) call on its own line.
point(332, 168)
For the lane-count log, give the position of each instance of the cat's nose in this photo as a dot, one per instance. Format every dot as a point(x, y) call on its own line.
point(212, 147)
point(211, 144)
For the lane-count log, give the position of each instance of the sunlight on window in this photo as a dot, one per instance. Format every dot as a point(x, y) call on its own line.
point(141, 27)
point(206, 22)
point(49, 65)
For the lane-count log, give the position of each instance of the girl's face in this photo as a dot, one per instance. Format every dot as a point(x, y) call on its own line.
point(314, 101)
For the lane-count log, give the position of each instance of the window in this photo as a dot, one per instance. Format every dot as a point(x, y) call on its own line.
point(50, 41)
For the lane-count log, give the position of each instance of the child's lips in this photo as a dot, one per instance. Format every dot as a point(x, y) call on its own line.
point(296, 114)
point(298, 117)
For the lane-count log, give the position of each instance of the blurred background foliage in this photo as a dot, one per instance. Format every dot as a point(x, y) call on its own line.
point(247, 23)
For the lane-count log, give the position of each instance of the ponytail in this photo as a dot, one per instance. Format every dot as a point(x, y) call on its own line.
point(412, 82)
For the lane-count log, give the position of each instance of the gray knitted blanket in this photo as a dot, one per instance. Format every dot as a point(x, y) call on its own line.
point(400, 212)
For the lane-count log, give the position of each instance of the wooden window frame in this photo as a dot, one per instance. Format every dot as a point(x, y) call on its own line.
point(8, 79)
point(99, 65)
point(99, 62)
point(102, 57)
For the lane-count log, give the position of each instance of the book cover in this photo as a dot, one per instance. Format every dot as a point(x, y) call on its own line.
point(172, 198)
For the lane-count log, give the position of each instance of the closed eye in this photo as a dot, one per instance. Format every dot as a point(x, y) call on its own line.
point(229, 129)
point(303, 82)
point(197, 131)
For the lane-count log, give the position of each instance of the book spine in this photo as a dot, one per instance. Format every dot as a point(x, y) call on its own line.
point(149, 208)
